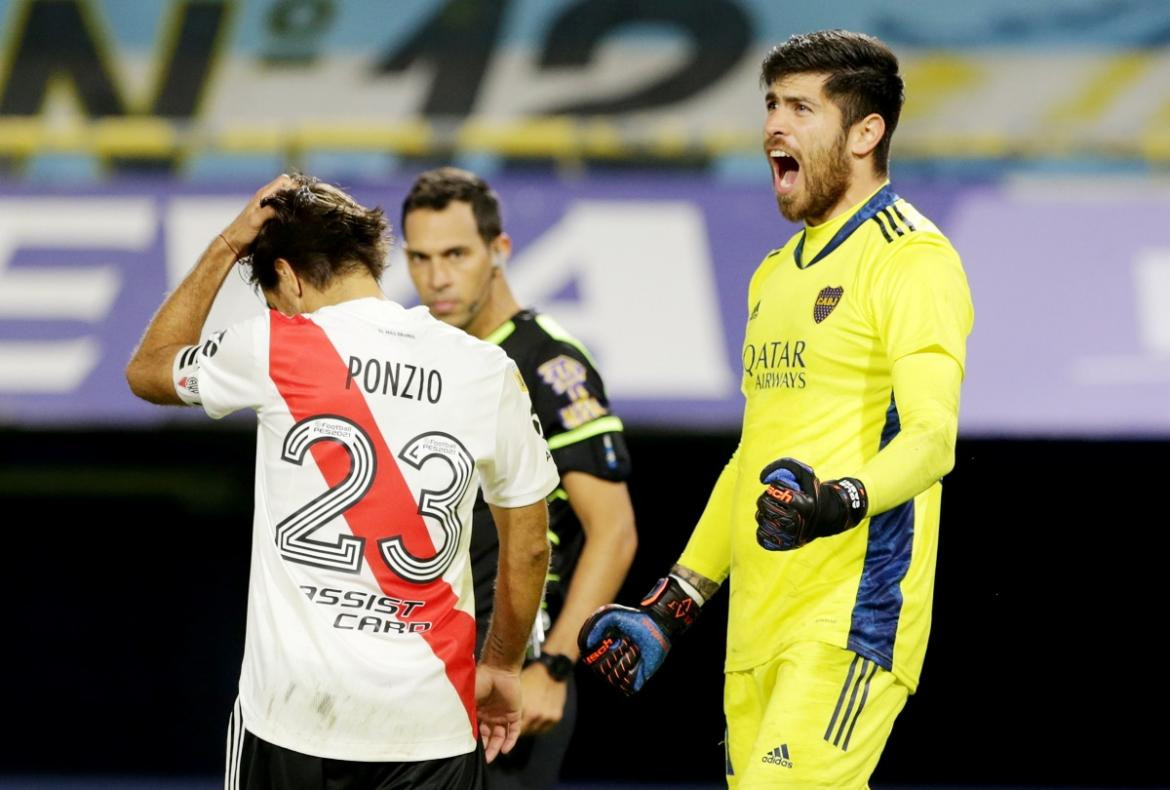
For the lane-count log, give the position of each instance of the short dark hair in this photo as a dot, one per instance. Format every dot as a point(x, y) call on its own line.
point(435, 189)
point(322, 232)
point(862, 77)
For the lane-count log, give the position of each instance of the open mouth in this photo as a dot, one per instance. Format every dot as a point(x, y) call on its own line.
point(784, 171)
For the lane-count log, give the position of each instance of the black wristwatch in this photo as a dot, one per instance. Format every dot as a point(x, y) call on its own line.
point(559, 667)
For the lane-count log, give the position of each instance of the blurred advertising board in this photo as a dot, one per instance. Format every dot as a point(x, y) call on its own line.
point(1071, 283)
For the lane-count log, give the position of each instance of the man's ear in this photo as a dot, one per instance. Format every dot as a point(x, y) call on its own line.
point(866, 134)
point(287, 274)
point(501, 249)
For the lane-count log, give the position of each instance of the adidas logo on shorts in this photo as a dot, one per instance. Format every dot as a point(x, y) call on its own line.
point(778, 756)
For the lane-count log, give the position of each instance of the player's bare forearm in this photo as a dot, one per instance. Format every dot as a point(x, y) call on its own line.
point(176, 324)
point(704, 586)
point(607, 518)
point(182, 315)
point(523, 535)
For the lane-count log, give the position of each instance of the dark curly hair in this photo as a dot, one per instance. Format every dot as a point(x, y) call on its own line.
point(322, 232)
point(862, 77)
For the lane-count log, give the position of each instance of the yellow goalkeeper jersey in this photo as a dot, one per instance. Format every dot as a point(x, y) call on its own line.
point(827, 316)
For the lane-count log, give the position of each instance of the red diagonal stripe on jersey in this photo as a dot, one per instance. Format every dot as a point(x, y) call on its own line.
point(311, 375)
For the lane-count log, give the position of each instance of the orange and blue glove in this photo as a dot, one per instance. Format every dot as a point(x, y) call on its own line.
point(626, 645)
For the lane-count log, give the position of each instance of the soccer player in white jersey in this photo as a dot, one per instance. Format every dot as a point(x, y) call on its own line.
point(376, 425)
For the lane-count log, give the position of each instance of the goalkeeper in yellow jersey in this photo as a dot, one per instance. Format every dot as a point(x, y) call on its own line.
point(825, 520)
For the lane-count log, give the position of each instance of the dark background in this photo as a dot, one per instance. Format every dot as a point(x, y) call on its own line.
point(125, 575)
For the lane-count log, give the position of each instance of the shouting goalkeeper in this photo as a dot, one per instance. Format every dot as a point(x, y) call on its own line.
point(825, 520)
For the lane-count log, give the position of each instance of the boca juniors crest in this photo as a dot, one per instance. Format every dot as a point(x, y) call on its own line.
point(827, 300)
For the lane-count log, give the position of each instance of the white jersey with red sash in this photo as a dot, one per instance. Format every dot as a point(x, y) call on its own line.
point(376, 426)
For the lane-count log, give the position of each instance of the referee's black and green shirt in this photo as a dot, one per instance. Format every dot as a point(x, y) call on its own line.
point(569, 399)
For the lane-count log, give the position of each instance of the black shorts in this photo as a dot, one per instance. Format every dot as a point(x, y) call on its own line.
point(255, 764)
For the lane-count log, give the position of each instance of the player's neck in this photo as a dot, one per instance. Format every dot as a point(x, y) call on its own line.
point(862, 184)
point(356, 285)
point(500, 308)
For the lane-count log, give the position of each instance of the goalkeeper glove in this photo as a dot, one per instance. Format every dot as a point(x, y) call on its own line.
point(626, 645)
point(796, 507)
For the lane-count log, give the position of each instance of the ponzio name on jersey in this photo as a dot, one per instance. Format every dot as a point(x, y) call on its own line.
point(370, 602)
point(401, 379)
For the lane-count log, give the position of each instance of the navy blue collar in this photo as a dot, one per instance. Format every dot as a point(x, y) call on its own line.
point(882, 198)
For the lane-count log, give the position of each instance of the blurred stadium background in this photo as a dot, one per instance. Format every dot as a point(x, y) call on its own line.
point(624, 138)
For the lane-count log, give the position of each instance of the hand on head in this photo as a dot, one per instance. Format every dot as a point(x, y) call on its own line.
point(243, 230)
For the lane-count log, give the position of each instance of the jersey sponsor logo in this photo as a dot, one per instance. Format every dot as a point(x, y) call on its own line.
point(580, 412)
point(358, 610)
point(775, 364)
point(566, 376)
point(827, 301)
point(773, 380)
point(778, 756)
point(400, 379)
